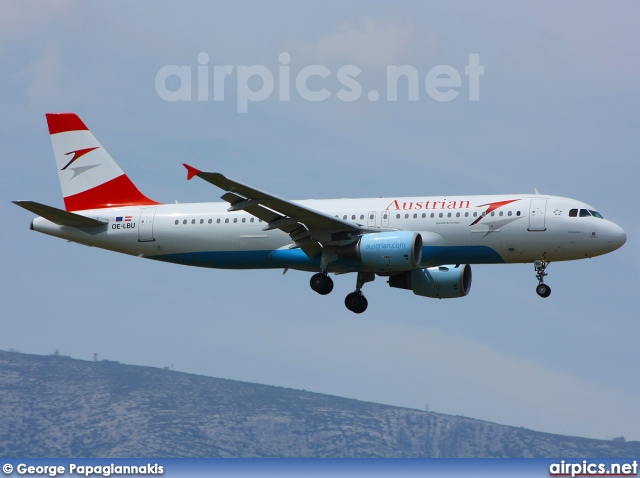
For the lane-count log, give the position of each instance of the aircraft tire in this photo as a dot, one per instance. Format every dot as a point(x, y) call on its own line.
point(356, 302)
point(321, 283)
point(543, 290)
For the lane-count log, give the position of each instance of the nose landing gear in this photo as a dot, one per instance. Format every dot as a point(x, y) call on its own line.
point(543, 290)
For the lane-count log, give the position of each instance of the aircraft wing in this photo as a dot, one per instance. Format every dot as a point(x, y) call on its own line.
point(303, 224)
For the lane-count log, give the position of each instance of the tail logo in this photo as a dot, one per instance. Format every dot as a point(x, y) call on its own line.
point(76, 155)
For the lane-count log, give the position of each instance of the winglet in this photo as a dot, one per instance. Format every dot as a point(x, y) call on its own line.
point(191, 171)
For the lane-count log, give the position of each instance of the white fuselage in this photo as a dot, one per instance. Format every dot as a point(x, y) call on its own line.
point(516, 229)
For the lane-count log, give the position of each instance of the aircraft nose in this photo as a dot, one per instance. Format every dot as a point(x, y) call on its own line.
point(617, 236)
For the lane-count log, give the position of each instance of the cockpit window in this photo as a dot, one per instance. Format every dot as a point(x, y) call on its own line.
point(584, 213)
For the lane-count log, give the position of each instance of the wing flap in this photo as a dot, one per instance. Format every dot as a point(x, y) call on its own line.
point(60, 217)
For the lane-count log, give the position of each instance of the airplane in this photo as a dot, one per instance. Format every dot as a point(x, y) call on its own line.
point(422, 244)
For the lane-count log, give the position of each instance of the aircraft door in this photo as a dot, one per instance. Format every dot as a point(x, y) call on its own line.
point(145, 226)
point(385, 218)
point(537, 211)
point(371, 219)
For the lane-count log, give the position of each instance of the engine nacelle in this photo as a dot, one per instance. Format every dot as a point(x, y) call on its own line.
point(444, 282)
point(386, 251)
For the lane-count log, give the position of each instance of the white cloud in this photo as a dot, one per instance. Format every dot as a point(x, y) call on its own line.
point(374, 42)
point(21, 19)
point(51, 84)
point(462, 376)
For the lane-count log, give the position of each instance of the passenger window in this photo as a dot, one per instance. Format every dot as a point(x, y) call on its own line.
point(457, 214)
point(244, 219)
point(440, 215)
point(518, 213)
point(177, 221)
point(424, 215)
point(501, 213)
point(344, 217)
point(415, 216)
point(475, 214)
point(432, 215)
point(193, 221)
point(406, 216)
point(509, 213)
point(466, 214)
point(251, 220)
point(493, 213)
point(371, 216)
point(235, 219)
point(201, 221)
point(210, 221)
point(184, 222)
point(218, 221)
point(397, 216)
point(573, 213)
point(226, 221)
point(362, 216)
point(584, 213)
point(449, 214)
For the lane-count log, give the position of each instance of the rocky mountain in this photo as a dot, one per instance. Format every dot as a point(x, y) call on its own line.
point(54, 406)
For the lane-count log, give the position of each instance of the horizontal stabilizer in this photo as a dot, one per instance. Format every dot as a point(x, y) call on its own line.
point(58, 216)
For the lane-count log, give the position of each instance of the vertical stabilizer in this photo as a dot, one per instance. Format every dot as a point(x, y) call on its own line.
point(89, 176)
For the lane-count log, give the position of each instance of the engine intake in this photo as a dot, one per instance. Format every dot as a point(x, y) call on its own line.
point(443, 282)
point(386, 251)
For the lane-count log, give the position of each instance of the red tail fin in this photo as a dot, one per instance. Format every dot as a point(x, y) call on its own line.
point(90, 178)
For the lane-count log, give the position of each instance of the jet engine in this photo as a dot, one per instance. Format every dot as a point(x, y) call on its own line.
point(386, 251)
point(443, 282)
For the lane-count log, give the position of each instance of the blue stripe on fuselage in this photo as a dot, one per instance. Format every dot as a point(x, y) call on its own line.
point(221, 259)
point(297, 259)
point(465, 255)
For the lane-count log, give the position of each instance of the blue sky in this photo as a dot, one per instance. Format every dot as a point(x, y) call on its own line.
point(557, 111)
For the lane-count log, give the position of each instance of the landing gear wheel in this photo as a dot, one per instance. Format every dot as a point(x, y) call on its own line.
point(356, 302)
point(543, 290)
point(321, 283)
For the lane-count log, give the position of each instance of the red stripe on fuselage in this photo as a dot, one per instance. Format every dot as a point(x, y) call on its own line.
point(63, 122)
point(118, 192)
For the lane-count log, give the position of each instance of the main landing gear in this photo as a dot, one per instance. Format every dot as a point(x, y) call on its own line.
point(543, 290)
point(356, 302)
point(321, 283)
